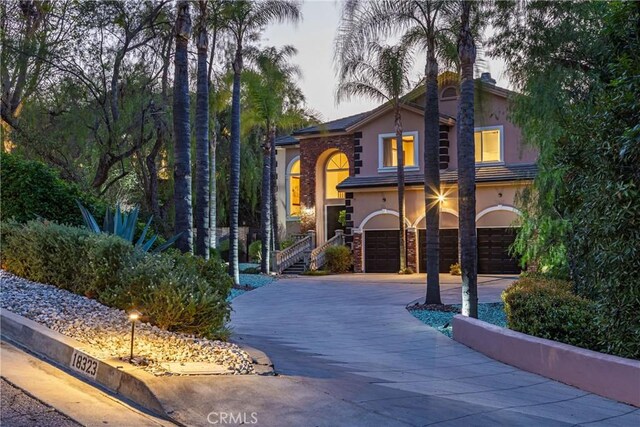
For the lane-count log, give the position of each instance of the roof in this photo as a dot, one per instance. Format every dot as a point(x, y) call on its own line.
point(338, 125)
point(499, 173)
point(285, 140)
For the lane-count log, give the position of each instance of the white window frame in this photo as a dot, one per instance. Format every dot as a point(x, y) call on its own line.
point(501, 129)
point(288, 188)
point(416, 154)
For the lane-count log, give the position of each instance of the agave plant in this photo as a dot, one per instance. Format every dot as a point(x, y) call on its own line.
point(123, 224)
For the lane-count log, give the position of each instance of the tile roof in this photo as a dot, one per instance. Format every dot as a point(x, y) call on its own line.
point(337, 125)
point(285, 140)
point(498, 173)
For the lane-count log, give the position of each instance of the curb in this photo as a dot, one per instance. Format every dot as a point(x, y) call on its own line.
point(116, 376)
point(262, 364)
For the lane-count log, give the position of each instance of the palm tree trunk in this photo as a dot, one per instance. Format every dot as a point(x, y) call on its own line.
point(234, 180)
point(265, 214)
point(275, 236)
point(401, 210)
point(466, 168)
point(182, 131)
point(202, 142)
point(213, 140)
point(432, 176)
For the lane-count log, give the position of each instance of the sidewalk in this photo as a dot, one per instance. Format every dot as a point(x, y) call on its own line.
point(69, 395)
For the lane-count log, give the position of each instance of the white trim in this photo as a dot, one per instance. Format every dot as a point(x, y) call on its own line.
point(497, 208)
point(288, 189)
point(442, 210)
point(416, 149)
point(501, 129)
point(372, 215)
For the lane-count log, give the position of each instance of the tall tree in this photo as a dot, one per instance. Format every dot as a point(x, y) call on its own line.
point(274, 98)
point(245, 21)
point(202, 212)
point(182, 130)
point(466, 165)
point(381, 73)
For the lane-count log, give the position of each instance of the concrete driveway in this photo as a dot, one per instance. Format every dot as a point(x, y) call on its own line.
point(348, 353)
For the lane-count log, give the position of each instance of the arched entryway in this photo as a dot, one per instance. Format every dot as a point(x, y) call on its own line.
point(333, 168)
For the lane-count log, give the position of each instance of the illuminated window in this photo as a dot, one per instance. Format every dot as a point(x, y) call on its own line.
point(294, 188)
point(488, 145)
point(388, 150)
point(337, 170)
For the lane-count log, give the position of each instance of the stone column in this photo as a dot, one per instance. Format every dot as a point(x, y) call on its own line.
point(358, 264)
point(412, 249)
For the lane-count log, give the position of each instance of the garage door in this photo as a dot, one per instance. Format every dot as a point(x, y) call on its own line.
point(382, 251)
point(448, 249)
point(493, 251)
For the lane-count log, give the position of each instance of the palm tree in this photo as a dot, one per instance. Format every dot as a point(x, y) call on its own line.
point(182, 131)
point(217, 24)
point(381, 73)
point(202, 136)
point(245, 20)
point(420, 23)
point(466, 165)
point(272, 94)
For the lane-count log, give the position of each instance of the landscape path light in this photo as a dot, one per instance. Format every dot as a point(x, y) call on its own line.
point(133, 316)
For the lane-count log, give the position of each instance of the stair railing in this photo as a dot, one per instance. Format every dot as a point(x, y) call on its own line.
point(318, 258)
point(298, 251)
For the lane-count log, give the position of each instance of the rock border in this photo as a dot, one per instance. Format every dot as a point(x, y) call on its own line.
point(610, 376)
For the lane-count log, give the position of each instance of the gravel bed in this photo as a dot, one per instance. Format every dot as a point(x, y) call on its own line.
point(107, 330)
point(441, 320)
point(251, 280)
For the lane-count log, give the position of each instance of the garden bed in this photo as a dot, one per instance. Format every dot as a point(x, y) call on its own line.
point(107, 330)
point(441, 317)
point(249, 282)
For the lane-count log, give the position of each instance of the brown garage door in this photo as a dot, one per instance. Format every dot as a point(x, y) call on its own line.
point(493, 251)
point(448, 249)
point(382, 251)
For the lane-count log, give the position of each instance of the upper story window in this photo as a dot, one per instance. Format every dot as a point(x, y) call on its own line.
point(337, 170)
point(293, 191)
point(388, 151)
point(449, 93)
point(489, 144)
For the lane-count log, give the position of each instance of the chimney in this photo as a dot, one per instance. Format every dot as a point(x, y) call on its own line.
point(486, 78)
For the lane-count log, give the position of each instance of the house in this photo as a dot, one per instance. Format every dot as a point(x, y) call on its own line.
point(349, 164)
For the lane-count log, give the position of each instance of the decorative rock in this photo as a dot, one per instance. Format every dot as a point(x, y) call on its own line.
point(108, 331)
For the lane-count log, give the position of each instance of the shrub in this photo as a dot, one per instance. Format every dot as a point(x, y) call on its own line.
point(177, 292)
point(338, 259)
point(31, 190)
point(255, 251)
point(284, 244)
point(547, 308)
point(455, 269)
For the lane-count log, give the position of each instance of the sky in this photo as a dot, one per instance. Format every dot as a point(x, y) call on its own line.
point(314, 40)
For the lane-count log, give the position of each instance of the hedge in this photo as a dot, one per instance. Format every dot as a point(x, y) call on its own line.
point(32, 190)
point(548, 308)
point(338, 259)
point(173, 291)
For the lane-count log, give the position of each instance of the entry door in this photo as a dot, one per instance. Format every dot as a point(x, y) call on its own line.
point(333, 213)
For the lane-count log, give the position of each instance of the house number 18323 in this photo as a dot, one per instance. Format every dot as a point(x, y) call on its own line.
point(84, 364)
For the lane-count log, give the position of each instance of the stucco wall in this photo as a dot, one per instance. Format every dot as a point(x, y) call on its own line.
point(487, 197)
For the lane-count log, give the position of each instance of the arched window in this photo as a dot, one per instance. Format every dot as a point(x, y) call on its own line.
point(337, 170)
point(449, 92)
point(293, 183)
